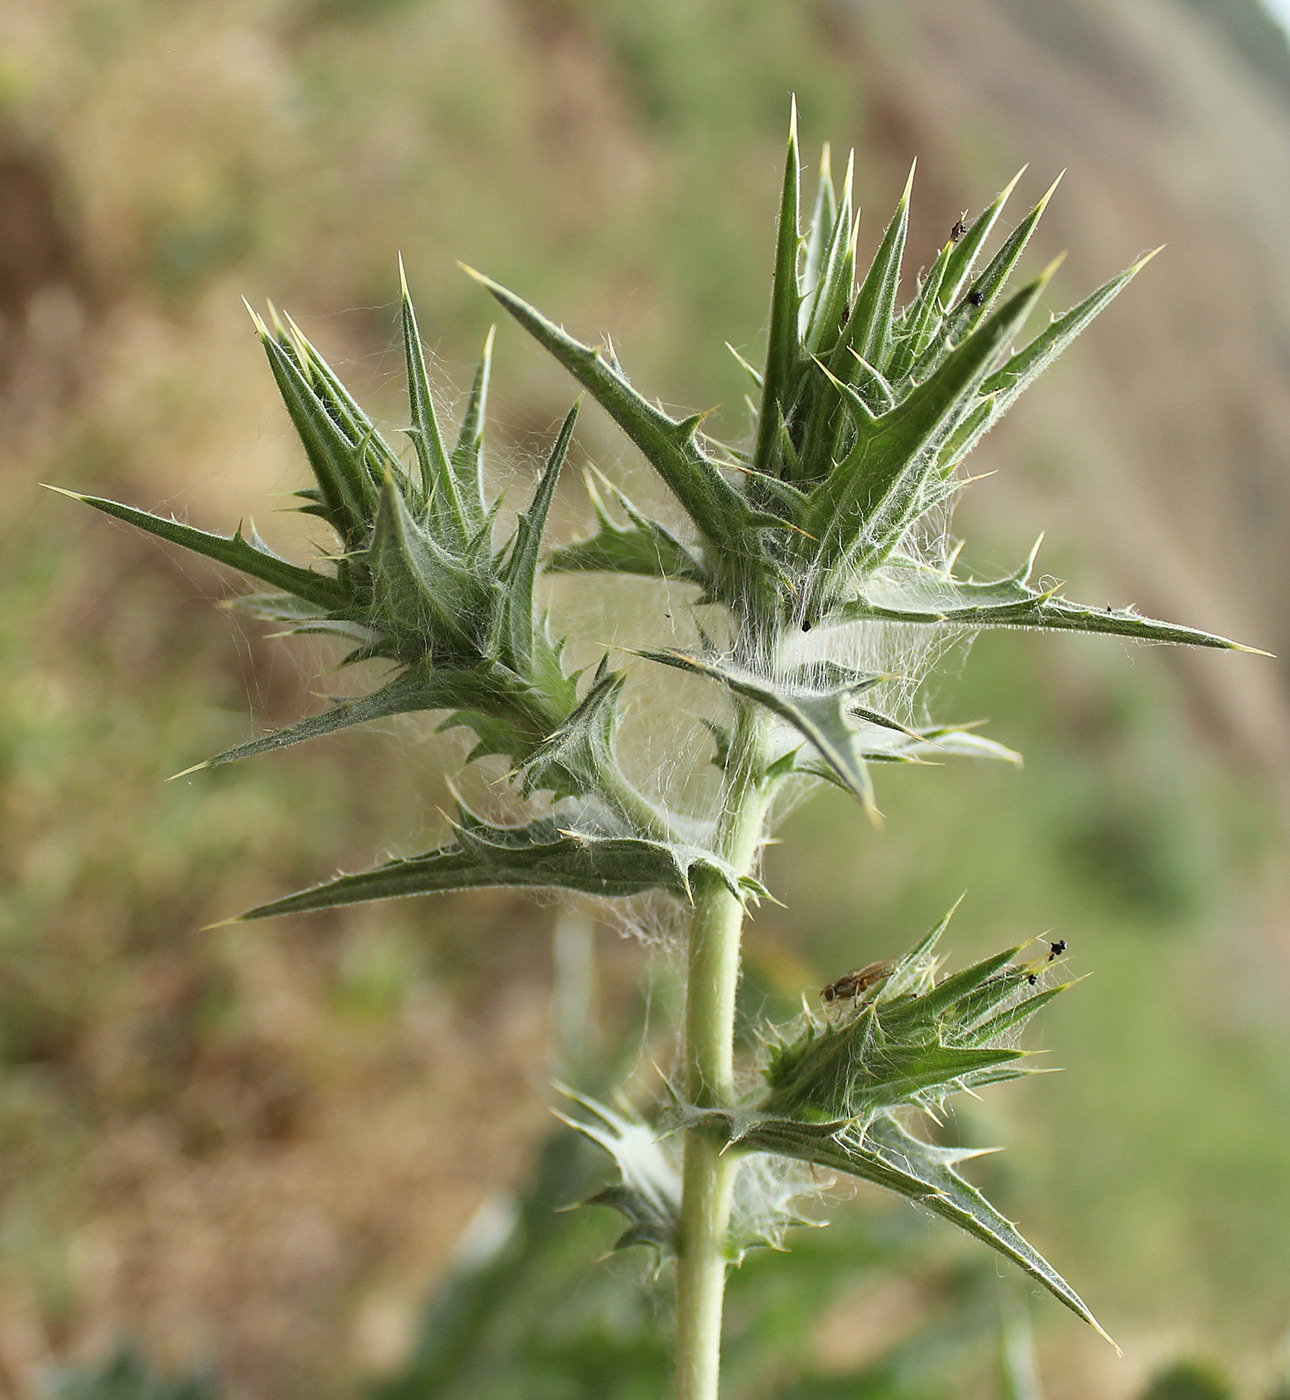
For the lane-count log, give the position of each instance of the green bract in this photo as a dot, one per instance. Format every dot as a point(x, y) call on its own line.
point(827, 520)
point(419, 582)
point(866, 410)
point(838, 1091)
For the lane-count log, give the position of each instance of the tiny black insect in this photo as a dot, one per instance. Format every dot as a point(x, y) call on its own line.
point(1033, 979)
point(959, 229)
point(975, 298)
point(846, 313)
point(1055, 950)
point(806, 624)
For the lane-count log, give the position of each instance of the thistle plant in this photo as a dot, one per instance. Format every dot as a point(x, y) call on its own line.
point(819, 539)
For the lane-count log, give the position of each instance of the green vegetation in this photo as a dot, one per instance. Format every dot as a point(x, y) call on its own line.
point(831, 521)
point(238, 1146)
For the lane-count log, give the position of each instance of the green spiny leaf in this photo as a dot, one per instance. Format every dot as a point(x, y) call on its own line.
point(889, 1156)
point(348, 491)
point(875, 304)
point(970, 310)
point(921, 318)
point(908, 1039)
point(862, 507)
point(438, 483)
point(782, 351)
point(1028, 363)
point(906, 593)
point(544, 854)
point(300, 616)
point(467, 455)
point(237, 552)
point(648, 1194)
point(958, 985)
point(828, 716)
point(341, 405)
point(832, 291)
point(643, 546)
point(837, 1092)
point(824, 214)
point(578, 755)
point(964, 253)
point(486, 690)
point(521, 568)
point(1003, 1021)
point(926, 744)
point(426, 598)
point(670, 445)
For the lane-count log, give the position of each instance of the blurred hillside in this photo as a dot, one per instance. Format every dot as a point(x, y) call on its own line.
point(256, 1147)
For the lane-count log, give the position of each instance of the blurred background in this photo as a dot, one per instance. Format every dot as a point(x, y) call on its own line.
point(253, 1151)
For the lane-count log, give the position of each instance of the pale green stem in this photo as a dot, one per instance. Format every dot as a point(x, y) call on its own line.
point(712, 977)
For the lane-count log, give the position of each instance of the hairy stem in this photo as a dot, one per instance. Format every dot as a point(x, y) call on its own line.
point(712, 976)
point(706, 1189)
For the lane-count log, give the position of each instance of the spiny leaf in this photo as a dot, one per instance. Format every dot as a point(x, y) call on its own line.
point(853, 1071)
point(865, 501)
point(1006, 385)
point(908, 1039)
point(909, 593)
point(871, 317)
point(348, 491)
point(300, 618)
point(975, 306)
point(824, 215)
point(829, 717)
point(424, 596)
point(817, 414)
point(964, 253)
point(1003, 1021)
point(237, 552)
point(643, 546)
point(962, 1204)
point(720, 512)
point(1027, 364)
point(968, 430)
point(467, 455)
point(958, 985)
point(751, 371)
point(889, 1156)
point(438, 483)
point(920, 318)
point(829, 297)
point(782, 349)
point(837, 1091)
point(648, 1194)
point(583, 750)
point(874, 389)
point(522, 564)
point(486, 690)
point(925, 744)
point(544, 854)
point(341, 404)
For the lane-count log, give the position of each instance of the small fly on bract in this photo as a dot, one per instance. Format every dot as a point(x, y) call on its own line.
point(854, 984)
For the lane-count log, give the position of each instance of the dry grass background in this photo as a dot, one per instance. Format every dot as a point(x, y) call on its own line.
point(258, 1146)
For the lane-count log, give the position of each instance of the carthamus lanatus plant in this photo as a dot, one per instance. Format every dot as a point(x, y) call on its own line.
point(813, 551)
